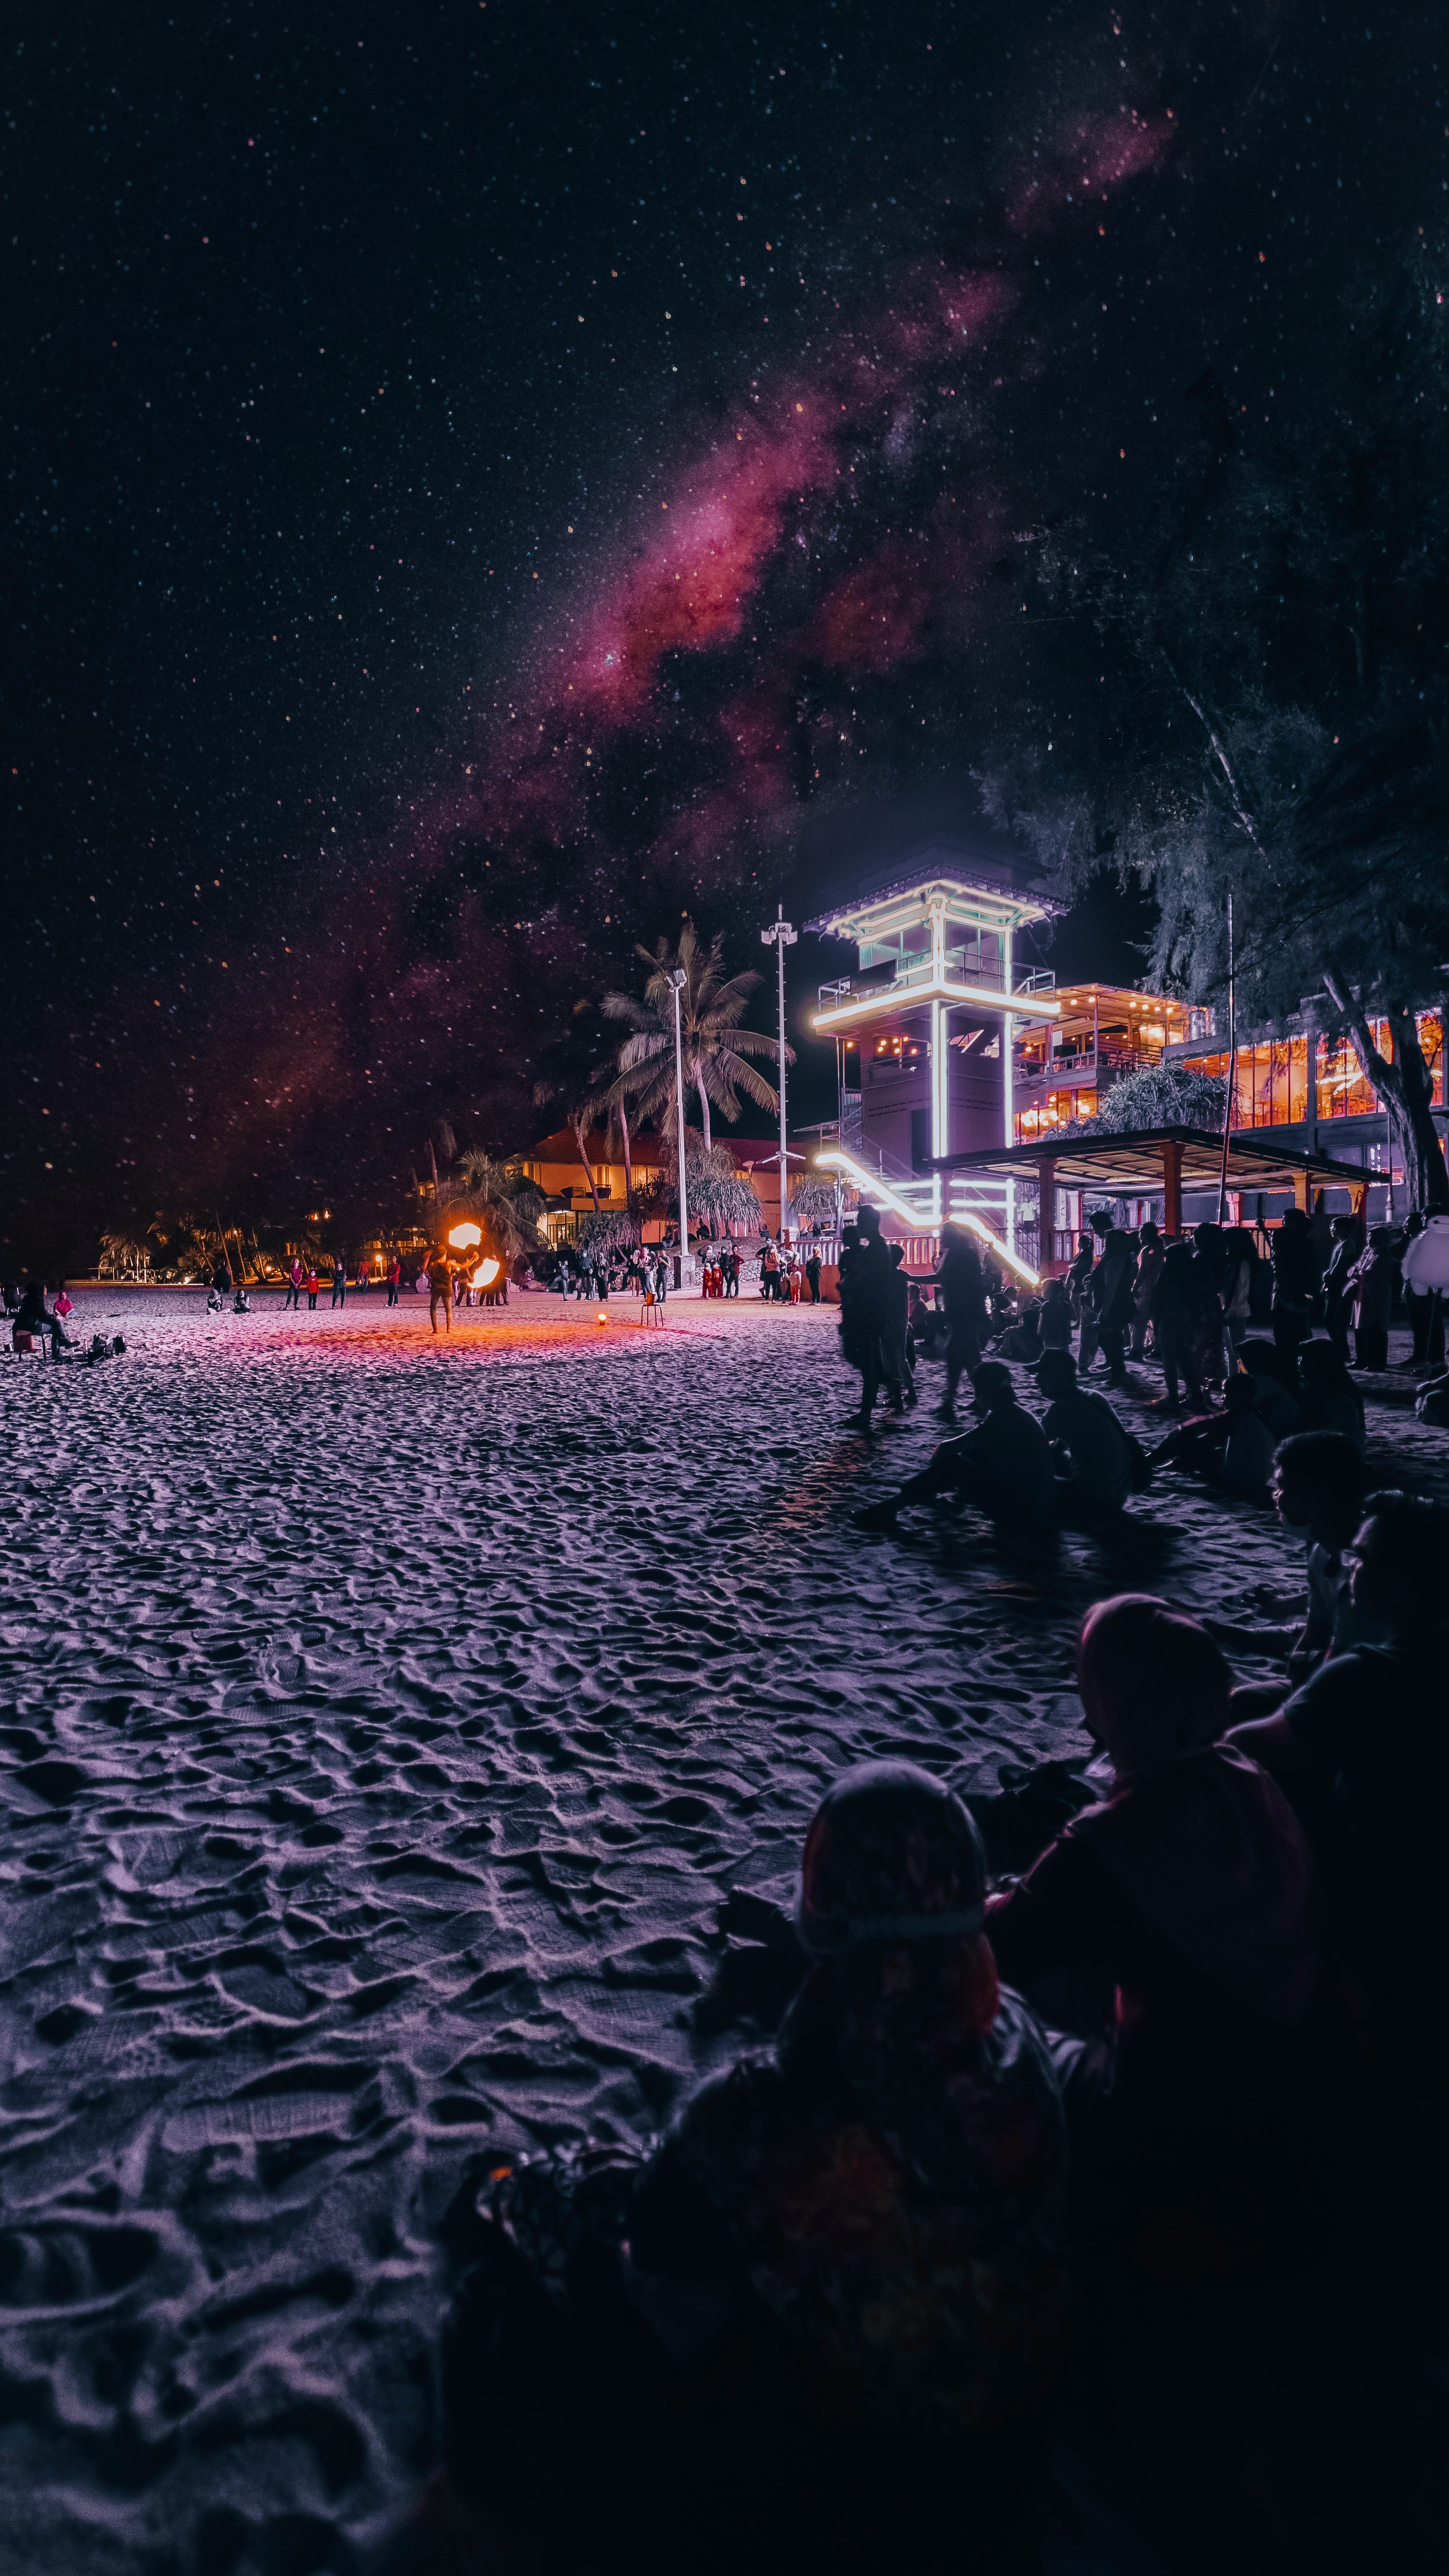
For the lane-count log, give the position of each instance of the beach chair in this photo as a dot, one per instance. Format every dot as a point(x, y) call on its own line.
point(651, 1311)
point(22, 1344)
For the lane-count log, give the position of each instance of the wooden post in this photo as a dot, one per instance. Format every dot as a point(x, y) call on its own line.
point(1171, 1185)
point(1302, 1192)
point(1358, 1193)
point(1046, 1233)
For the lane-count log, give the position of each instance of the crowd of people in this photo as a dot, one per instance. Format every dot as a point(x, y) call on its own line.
point(1033, 2153)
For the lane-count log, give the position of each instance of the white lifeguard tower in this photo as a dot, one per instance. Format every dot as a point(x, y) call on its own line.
point(928, 1023)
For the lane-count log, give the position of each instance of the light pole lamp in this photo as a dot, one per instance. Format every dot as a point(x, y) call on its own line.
point(781, 936)
point(679, 979)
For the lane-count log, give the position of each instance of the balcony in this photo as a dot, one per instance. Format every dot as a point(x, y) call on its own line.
point(962, 967)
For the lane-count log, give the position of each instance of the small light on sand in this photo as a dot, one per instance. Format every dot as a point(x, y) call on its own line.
point(601, 1317)
point(464, 1235)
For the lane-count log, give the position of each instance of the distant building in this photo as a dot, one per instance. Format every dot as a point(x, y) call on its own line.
point(944, 1046)
point(928, 1030)
point(1304, 1087)
point(556, 1168)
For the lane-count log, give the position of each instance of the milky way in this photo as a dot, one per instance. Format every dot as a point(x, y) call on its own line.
point(710, 504)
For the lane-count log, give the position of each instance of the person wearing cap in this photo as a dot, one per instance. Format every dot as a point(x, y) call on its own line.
point(1004, 1466)
point(835, 2299)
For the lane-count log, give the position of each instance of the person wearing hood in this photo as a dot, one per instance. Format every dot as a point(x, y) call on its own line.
point(834, 2300)
point(1188, 1899)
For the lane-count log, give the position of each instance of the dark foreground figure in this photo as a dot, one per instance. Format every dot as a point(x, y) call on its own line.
point(1129, 2266)
point(831, 2307)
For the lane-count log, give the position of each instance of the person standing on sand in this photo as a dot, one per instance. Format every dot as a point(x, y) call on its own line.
point(311, 1292)
point(812, 1274)
point(339, 1282)
point(296, 1277)
point(394, 1279)
point(440, 1290)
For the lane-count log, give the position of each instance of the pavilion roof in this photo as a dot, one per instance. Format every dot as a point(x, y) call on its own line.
point(1133, 1161)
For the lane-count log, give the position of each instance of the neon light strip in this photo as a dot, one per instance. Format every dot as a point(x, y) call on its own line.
point(1013, 1006)
point(872, 1187)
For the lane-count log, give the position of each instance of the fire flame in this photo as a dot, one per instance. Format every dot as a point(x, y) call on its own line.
point(485, 1274)
point(464, 1235)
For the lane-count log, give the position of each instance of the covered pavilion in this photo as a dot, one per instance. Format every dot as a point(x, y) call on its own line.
point(1153, 1162)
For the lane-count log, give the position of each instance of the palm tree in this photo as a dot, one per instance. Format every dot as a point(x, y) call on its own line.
point(509, 1204)
point(716, 1049)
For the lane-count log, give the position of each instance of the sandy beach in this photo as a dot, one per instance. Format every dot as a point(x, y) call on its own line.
point(383, 1720)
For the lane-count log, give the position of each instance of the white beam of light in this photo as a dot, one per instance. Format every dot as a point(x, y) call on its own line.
point(871, 1186)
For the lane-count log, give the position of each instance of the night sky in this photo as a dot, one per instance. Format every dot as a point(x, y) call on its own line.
point(483, 479)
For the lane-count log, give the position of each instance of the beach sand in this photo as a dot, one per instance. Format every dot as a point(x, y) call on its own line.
point(383, 1720)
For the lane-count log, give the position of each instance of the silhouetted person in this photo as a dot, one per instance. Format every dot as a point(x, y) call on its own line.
point(1110, 1301)
point(833, 2302)
point(1056, 1317)
point(1086, 1438)
point(961, 1289)
point(1151, 1254)
point(1295, 1280)
point(1004, 1467)
point(1345, 1245)
point(1185, 1913)
point(1363, 1750)
point(868, 1301)
point(1185, 1325)
point(33, 1316)
point(1371, 1281)
point(440, 1291)
point(1329, 1399)
point(1318, 1488)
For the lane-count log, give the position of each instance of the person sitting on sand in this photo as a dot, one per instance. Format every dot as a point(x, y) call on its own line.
point(1022, 1340)
point(1363, 1751)
point(440, 1291)
point(1004, 1466)
point(1318, 1489)
point(1330, 1400)
point(32, 1316)
point(1233, 1449)
point(241, 1303)
point(835, 2297)
point(1091, 1452)
point(1056, 1317)
point(1275, 1384)
point(1185, 1910)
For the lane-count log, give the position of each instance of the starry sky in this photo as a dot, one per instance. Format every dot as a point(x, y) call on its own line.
point(487, 480)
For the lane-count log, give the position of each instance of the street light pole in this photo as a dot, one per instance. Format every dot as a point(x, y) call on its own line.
point(678, 979)
point(781, 936)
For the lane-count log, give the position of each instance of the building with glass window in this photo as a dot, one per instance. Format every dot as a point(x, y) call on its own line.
point(1303, 1085)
